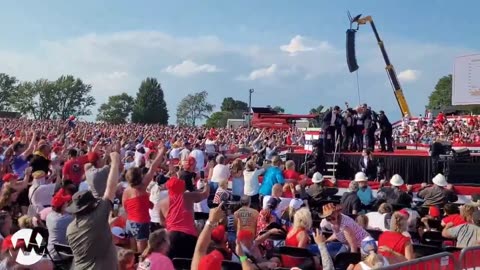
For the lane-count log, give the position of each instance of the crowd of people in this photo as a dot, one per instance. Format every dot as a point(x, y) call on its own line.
point(150, 197)
point(427, 130)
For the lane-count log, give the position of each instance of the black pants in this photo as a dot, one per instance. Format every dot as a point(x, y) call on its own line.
point(329, 140)
point(359, 137)
point(386, 136)
point(182, 245)
point(347, 138)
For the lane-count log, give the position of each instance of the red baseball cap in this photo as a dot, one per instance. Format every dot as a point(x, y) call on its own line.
point(433, 211)
point(7, 243)
point(218, 234)
point(9, 177)
point(92, 157)
point(59, 199)
point(212, 261)
point(404, 212)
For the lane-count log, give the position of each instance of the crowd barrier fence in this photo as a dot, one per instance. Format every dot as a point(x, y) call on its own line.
point(469, 258)
point(440, 261)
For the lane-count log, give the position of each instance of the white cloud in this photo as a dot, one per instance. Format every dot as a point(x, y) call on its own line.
point(408, 75)
point(296, 45)
point(261, 73)
point(188, 67)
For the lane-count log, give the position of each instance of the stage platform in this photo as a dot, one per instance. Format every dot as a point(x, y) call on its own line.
point(414, 166)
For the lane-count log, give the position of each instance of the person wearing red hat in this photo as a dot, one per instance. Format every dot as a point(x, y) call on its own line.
point(187, 173)
point(177, 211)
point(73, 169)
point(57, 222)
point(96, 171)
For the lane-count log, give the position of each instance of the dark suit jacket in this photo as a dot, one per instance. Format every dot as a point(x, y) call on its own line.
point(370, 169)
point(367, 119)
point(384, 123)
point(327, 119)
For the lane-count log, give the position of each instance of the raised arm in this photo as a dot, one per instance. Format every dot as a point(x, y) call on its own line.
point(216, 214)
point(31, 147)
point(113, 177)
point(151, 172)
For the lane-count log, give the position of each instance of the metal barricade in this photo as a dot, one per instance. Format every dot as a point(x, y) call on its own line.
point(440, 261)
point(470, 258)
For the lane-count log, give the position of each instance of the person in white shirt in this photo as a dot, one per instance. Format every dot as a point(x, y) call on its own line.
point(376, 220)
point(185, 151)
point(199, 157)
point(158, 192)
point(139, 155)
point(175, 152)
point(220, 172)
point(250, 176)
point(210, 146)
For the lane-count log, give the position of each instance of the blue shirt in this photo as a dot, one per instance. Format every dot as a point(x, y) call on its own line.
point(19, 166)
point(365, 195)
point(273, 175)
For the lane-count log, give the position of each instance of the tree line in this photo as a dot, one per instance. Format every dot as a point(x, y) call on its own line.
point(58, 99)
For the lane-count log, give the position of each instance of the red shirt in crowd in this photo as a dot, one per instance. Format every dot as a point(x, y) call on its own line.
point(394, 240)
point(456, 219)
point(74, 169)
point(290, 175)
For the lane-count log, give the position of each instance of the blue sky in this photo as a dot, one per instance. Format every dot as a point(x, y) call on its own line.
point(291, 52)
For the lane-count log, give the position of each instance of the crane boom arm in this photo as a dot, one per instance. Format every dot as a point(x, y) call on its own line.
point(392, 75)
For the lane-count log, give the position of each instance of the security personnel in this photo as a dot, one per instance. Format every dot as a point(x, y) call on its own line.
point(386, 132)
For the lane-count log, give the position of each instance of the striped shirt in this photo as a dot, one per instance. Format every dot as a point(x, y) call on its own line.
point(347, 222)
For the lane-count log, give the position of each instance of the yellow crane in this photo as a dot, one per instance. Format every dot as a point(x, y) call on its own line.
point(392, 75)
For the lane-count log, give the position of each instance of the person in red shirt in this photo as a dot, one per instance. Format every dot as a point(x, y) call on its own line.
point(452, 215)
point(394, 244)
point(74, 167)
point(292, 178)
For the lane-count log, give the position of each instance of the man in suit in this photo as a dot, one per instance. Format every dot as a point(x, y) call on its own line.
point(331, 125)
point(368, 123)
point(368, 165)
point(386, 132)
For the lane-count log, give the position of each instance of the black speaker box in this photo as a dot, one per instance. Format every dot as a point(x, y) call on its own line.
point(351, 58)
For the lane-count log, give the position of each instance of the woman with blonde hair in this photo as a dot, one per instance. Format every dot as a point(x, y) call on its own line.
point(371, 259)
point(238, 182)
point(298, 235)
point(252, 186)
point(155, 255)
point(394, 244)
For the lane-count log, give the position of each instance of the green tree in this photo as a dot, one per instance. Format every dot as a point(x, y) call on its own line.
point(193, 107)
point(278, 109)
point(218, 119)
point(72, 97)
point(116, 110)
point(35, 99)
point(7, 87)
point(316, 122)
point(150, 106)
point(442, 94)
point(44, 99)
point(230, 104)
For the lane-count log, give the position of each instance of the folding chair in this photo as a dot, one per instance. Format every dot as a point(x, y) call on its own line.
point(375, 234)
point(343, 260)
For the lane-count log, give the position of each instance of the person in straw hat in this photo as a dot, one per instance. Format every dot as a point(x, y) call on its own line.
point(394, 194)
point(439, 194)
point(365, 193)
point(349, 234)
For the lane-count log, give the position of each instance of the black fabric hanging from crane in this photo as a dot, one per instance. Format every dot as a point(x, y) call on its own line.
point(351, 58)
